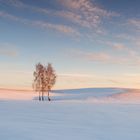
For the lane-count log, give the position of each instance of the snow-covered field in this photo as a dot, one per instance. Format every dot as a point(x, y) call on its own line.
point(78, 114)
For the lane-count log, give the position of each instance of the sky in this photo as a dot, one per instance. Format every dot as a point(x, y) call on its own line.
point(90, 43)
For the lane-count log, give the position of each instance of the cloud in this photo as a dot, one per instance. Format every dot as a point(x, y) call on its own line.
point(135, 23)
point(119, 46)
point(16, 3)
point(73, 17)
point(131, 52)
point(19, 4)
point(76, 75)
point(8, 50)
point(41, 24)
point(95, 57)
point(130, 58)
point(115, 45)
point(12, 17)
point(137, 42)
point(58, 27)
point(101, 57)
point(125, 36)
point(87, 8)
point(82, 18)
point(83, 13)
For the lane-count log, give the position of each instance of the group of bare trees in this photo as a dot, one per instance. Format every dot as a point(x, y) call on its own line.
point(44, 80)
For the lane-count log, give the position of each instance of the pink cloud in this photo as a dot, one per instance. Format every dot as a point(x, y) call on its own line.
point(86, 11)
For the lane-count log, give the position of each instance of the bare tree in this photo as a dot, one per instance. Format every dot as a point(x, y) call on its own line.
point(44, 79)
point(50, 78)
point(39, 80)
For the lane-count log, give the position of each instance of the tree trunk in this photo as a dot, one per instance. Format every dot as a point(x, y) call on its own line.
point(42, 96)
point(49, 95)
point(39, 96)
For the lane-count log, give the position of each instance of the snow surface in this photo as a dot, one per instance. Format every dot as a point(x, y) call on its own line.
point(78, 114)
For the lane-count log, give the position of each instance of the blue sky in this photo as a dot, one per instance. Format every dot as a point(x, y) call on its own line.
point(91, 43)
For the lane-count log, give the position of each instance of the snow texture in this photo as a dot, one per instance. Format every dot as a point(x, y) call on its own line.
point(82, 114)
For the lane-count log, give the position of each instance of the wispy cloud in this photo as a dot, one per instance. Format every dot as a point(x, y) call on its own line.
point(82, 18)
point(76, 75)
point(91, 56)
point(86, 14)
point(41, 24)
point(119, 46)
point(8, 50)
point(99, 57)
point(20, 5)
point(83, 13)
point(6, 15)
point(135, 23)
point(59, 27)
point(130, 58)
point(131, 51)
point(16, 3)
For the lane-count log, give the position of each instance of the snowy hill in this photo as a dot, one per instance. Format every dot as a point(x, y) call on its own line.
point(78, 114)
point(63, 95)
point(98, 95)
point(95, 95)
point(85, 93)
